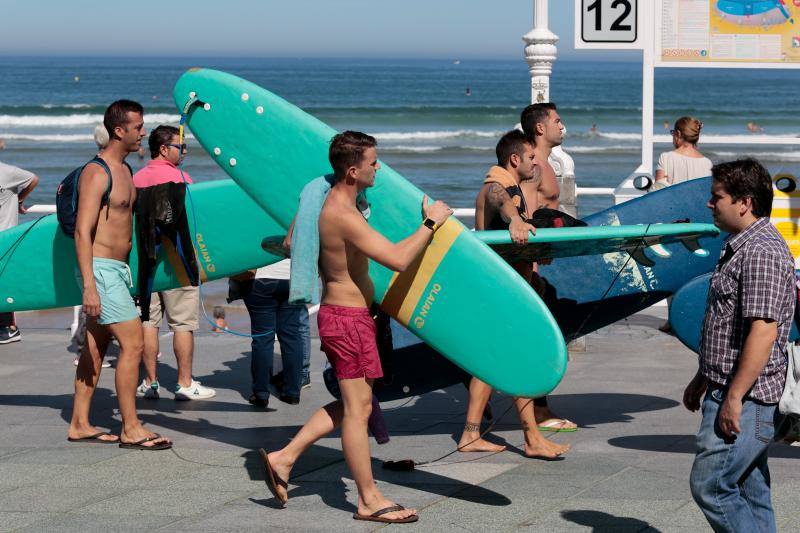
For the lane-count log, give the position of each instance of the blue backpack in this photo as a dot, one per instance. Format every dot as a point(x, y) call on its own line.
point(67, 196)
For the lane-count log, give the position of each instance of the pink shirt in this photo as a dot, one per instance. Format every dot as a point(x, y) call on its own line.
point(158, 171)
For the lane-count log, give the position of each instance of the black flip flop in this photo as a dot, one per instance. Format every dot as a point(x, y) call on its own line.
point(377, 516)
point(139, 445)
point(272, 480)
point(96, 438)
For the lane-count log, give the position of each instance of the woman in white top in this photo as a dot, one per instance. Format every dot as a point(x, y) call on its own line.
point(685, 162)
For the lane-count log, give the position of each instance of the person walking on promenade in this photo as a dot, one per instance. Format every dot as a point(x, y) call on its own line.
point(542, 123)
point(685, 162)
point(103, 234)
point(159, 181)
point(501, 205)
point(743, 360)
point(266, 295)
point(347, 330)
point(15, 186)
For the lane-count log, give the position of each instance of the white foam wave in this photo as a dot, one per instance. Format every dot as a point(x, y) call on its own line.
point(427, 135)
point(767, 156)
point(600, 149)
point(83, 119)
point(68, 106)
point(78, 137)
point(621, 136)
point(415, 149)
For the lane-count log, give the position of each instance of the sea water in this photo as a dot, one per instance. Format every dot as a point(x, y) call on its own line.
point(436, 121)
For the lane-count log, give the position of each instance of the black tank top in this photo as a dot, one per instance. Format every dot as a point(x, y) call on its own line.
point(497, 222)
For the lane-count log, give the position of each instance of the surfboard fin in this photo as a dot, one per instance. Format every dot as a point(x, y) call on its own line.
point(693, 245)
point(639, 256)
point(660, 251)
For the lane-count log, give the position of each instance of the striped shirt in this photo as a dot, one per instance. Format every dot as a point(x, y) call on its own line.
point(754, 278)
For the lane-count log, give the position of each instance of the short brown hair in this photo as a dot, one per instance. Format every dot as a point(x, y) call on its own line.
point(511, 143)
point(116, 116)
point(159, 137)
point(533, 115)
point(347, 150)
point(746, 178)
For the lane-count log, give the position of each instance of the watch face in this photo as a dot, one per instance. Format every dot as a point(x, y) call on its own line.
point(429, 223)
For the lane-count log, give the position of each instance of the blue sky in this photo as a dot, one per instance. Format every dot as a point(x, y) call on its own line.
point(281, 28)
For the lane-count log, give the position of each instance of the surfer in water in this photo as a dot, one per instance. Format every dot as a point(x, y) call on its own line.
point(347, 330)
point(501, 204)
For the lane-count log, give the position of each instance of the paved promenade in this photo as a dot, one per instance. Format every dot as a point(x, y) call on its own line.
point(627, 471)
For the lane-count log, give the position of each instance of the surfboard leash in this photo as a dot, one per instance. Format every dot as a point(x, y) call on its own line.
point(611, 285)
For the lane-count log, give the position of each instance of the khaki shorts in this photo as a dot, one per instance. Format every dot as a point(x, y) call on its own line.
point(181, 305)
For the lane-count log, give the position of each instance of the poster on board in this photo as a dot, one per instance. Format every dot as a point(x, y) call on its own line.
point(730, 31)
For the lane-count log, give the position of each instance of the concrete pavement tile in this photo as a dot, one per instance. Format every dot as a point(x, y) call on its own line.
point(626, 514)
point(13, 475)
point(90, 523)
point(164, 502)
point(45, 497)
point(635, 483)
point(70, 454)
point(5, 452)
point(13, 521)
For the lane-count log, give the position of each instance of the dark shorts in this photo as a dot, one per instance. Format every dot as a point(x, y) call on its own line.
point(348, 336)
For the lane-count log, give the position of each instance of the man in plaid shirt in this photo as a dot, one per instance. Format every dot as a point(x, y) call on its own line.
point(743, 359)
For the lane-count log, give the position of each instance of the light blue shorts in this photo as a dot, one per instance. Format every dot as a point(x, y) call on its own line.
point(113, 280)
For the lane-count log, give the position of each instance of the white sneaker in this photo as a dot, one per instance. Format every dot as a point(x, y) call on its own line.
point(147, 391)
point(195, 391)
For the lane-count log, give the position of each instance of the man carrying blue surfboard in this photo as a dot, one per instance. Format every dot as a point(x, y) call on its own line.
point(346, 328)
point(501, 204)
point(103, 231)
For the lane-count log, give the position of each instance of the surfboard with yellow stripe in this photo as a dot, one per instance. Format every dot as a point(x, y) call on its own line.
point(459, 297)
point(37, 261)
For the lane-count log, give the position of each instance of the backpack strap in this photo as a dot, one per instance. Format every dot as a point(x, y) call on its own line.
point(99, 161)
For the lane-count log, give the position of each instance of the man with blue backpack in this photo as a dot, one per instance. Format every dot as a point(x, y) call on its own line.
point(95, 204)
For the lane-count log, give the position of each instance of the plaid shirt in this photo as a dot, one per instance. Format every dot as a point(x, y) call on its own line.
point(753, 279)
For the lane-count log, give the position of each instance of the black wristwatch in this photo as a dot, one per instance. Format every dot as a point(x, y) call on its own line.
point(429, 223)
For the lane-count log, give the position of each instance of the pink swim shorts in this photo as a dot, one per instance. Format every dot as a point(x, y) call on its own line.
point(348, 340)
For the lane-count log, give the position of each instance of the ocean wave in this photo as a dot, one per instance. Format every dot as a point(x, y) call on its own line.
point(427, 135)
point(64, 138)
point(626, 149)
point(82, 119)
point(791, 157)
point(434, 149)
point(620, 136)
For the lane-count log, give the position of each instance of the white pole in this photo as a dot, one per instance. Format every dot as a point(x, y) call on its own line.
point(648, 90)
point(540, 53)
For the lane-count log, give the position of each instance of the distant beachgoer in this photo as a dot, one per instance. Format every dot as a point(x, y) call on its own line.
point(469, 92)
point(161, 187)
point(666, 125)
point(542, 123)
point(593, 130)
point(2, 143)
point(346, 243)
point(685, 162)
point(15, 186)
point(501, 205)
point(102, 245)
point(743, 361)
point(752, 127)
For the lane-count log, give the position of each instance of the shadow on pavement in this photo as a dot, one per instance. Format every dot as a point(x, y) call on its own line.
point(686, 444)
point(604, 522)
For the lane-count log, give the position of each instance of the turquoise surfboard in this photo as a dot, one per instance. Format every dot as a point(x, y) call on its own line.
point(459, 297)
point(552, 243)
point(37, 261)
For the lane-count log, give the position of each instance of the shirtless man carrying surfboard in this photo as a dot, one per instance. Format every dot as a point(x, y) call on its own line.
point(346, 328)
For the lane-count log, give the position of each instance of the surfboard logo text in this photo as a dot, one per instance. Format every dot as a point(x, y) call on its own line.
point(419, 320)
point(209, 264)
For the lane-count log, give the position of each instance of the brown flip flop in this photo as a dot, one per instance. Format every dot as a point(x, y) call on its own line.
point(377, 516)
point(272, 480)
point(140, 445)
point(96, 438)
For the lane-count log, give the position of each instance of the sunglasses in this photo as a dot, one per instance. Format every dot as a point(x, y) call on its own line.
point(180, 147)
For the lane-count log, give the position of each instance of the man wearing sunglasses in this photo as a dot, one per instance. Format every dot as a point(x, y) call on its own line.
point(162, 182)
